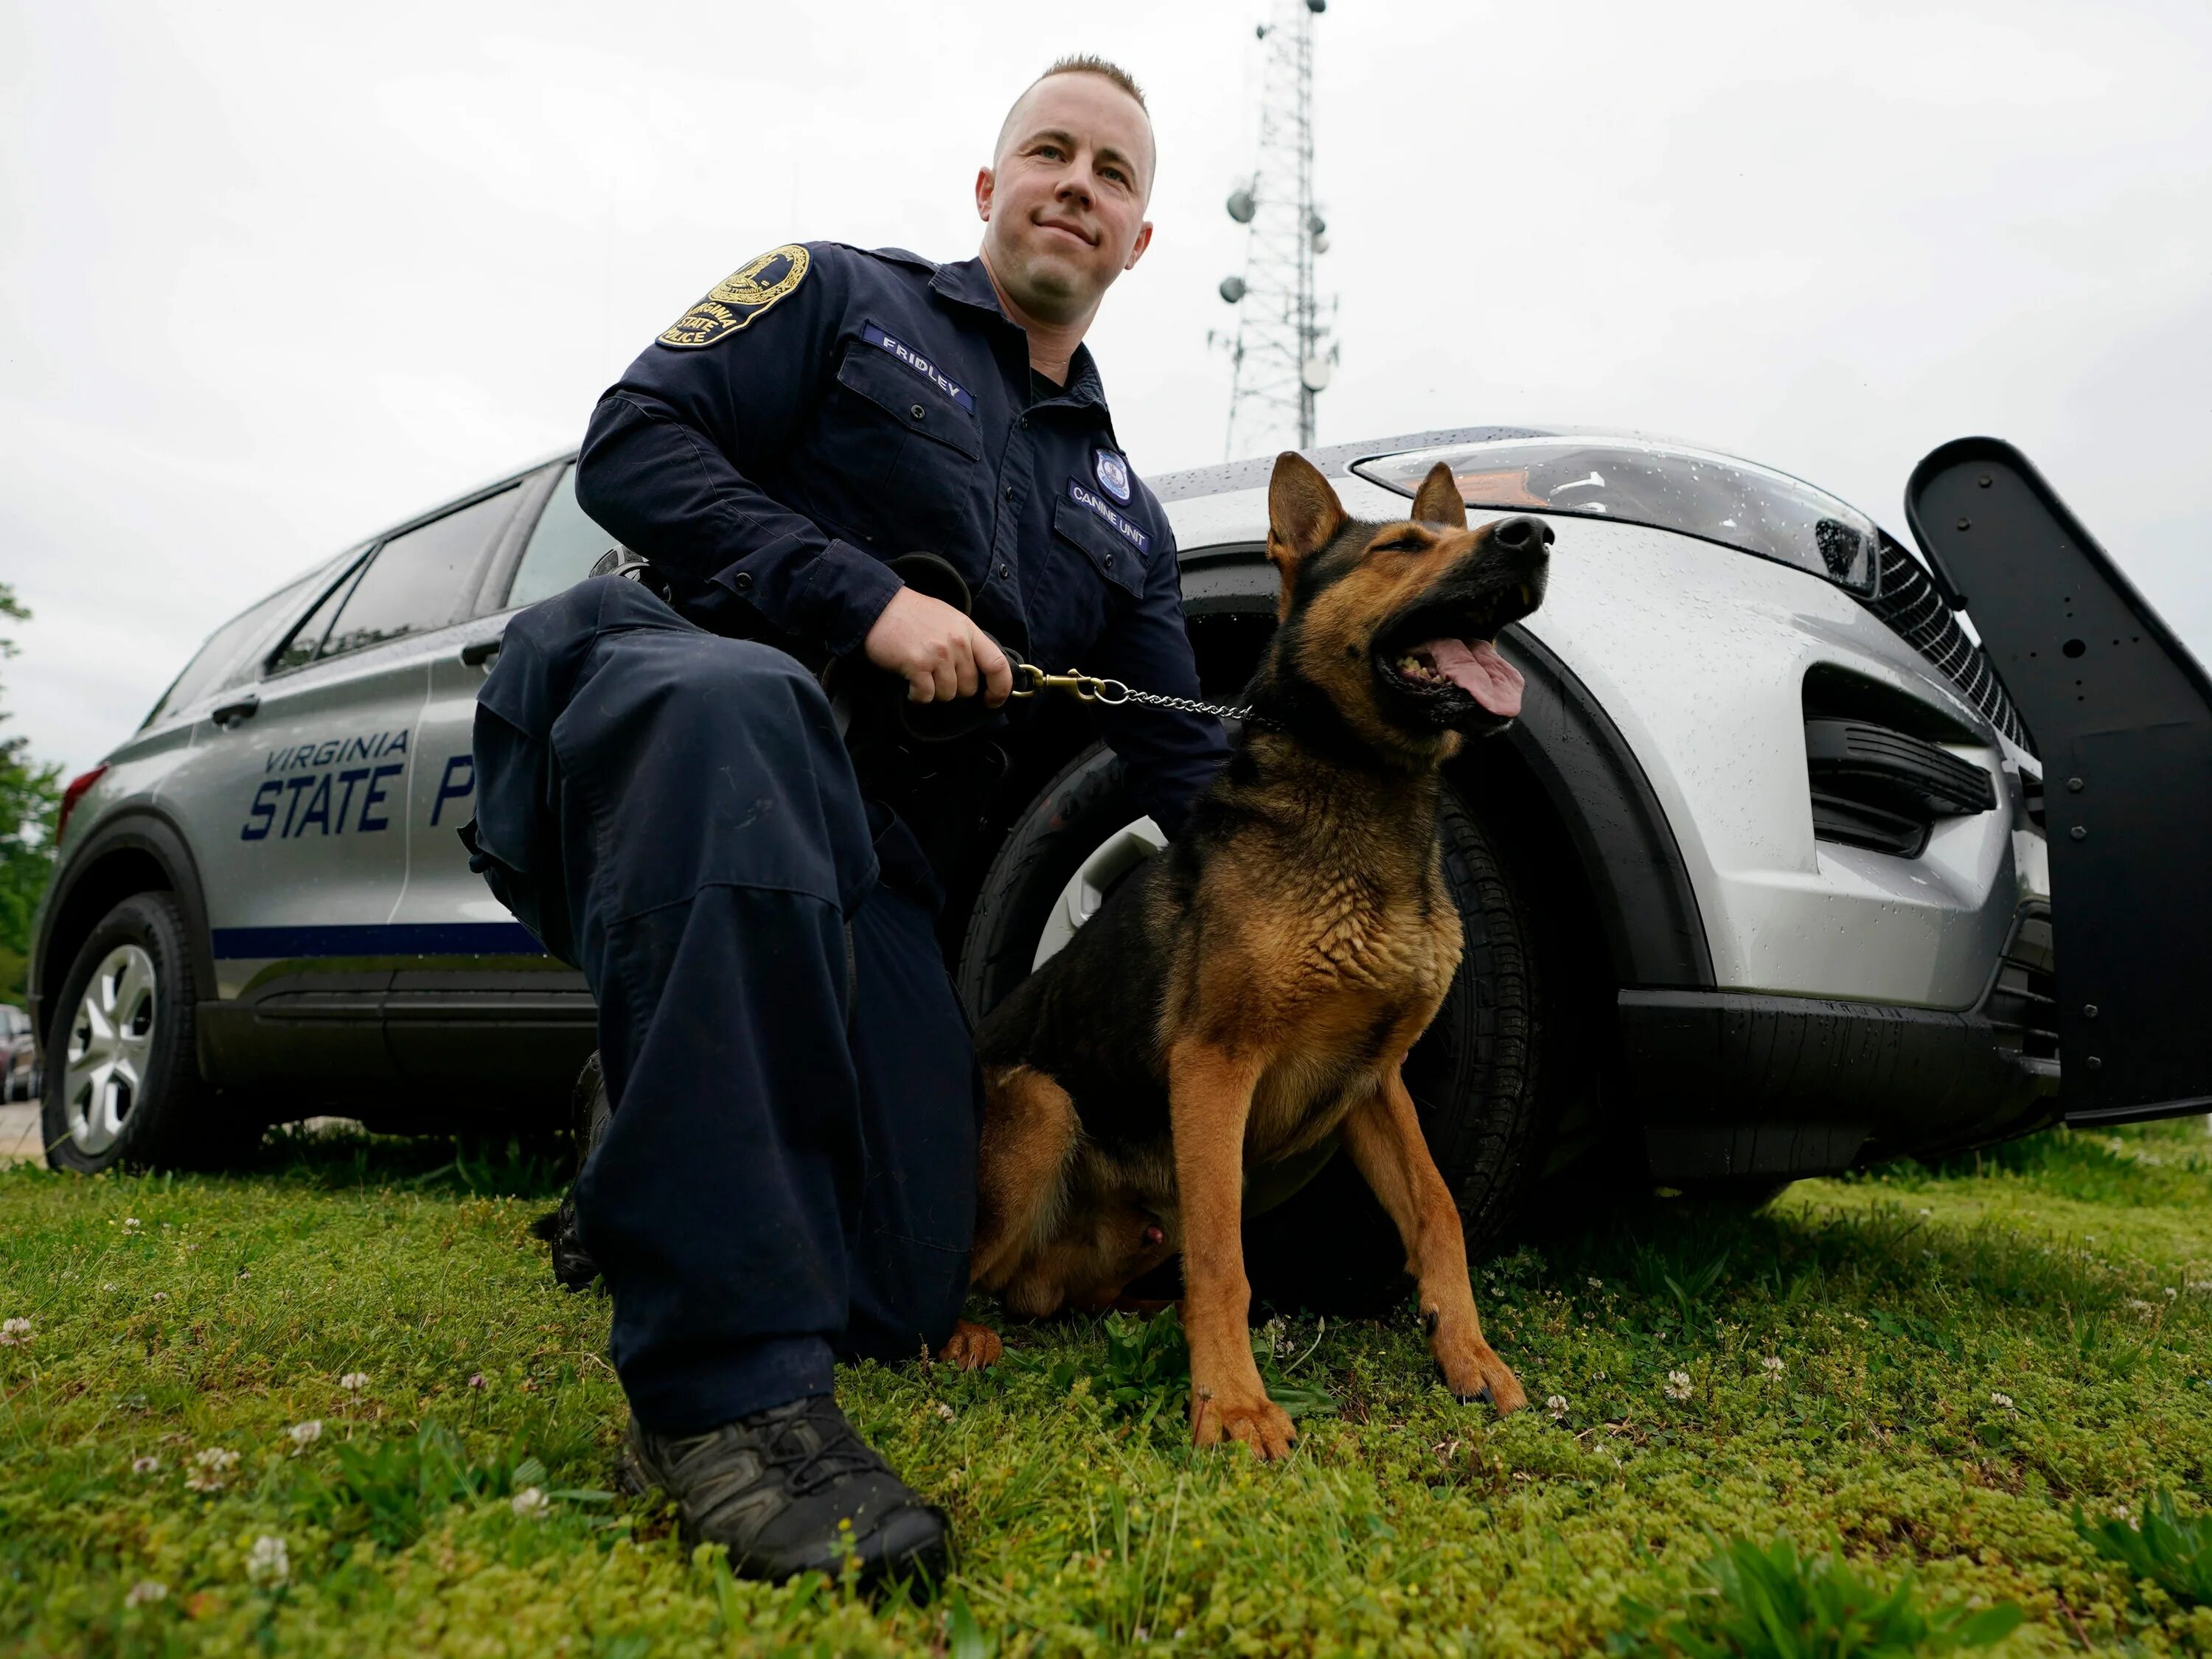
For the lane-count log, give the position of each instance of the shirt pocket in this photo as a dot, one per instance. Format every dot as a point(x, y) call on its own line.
point(1111, 554)
point(914, 405)
point(907, 461)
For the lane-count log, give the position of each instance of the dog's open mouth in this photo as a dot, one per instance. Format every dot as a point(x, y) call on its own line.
point(1473, 667)
point(1446, 654)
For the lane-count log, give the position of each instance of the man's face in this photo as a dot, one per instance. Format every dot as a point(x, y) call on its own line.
point(1063, 203)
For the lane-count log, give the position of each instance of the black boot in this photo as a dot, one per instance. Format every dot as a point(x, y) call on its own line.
point(794, 1488)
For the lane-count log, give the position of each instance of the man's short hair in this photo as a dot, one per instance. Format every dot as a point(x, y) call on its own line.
point(1084, 62)
point(1076, 62)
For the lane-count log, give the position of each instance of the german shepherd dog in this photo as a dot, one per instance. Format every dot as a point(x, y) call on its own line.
point(1255, 988)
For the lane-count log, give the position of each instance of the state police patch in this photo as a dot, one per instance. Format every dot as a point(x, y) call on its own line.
point(1113, 475)
point(739, 298)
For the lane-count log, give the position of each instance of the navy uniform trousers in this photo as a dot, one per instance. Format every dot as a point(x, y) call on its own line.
point(790, 1173)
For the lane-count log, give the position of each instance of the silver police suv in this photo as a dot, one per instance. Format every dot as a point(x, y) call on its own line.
point(1761, 885)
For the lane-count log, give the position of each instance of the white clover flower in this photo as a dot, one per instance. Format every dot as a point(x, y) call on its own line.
point(354, 1381)
point(531, 1503)
point(108, 1287)
point(145, 1590)
point(268, 1564)
point(1924, 1210)
point(1772, 1364)
point(1678, 1385)
point(211, 1467)
point(145, 1466)
point(160, 1296)
point(14, 1333)
point(2003, 1401)
point(2171, 1293)
point(304, 1435)
point(1557, 1405)
point(131, 1223)
point(1596, 1284)
point(476, 1379)
point(944, 1411)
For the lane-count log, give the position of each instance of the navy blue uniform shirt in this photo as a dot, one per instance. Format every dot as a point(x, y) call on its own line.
point(824, 409)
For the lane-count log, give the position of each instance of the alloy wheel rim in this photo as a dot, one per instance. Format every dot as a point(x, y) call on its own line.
point(111, 1042)
point(1086, 890)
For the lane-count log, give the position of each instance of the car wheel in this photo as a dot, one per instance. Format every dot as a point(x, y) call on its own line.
point(1327, 1244)
point(124, 1084)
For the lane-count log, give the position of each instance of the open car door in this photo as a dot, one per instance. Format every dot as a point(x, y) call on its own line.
point(2121, 716)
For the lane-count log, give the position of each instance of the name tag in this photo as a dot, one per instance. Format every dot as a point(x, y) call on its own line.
point(1091, 499)
point(920, 364)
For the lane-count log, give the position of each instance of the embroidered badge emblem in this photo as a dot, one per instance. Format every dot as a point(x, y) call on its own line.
point(739, 298)
point(1113, 475)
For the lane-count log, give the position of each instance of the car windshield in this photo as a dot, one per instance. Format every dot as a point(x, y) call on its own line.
point(1737, 503)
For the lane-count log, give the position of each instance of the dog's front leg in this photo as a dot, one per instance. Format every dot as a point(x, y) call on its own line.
point(1384, 1135)
point(1210, 1097)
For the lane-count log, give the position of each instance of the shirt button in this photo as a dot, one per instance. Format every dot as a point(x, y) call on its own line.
point(1025, 422)
point(918, 412)
point(1009, 492)
point(1003, 571)
point(743, 581)
point(1109, 561)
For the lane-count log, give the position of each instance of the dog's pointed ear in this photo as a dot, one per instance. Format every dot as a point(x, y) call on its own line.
point(1437, 501)
point(1303, 515)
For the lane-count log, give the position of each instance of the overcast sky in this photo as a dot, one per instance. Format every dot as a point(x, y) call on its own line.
point(273, 276)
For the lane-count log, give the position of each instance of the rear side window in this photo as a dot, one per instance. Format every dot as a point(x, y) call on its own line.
point(231, 647)
point(307, 638)
point(562, 548)
point(412, 585)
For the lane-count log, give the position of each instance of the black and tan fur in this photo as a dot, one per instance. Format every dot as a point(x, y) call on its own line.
point(1254, 988)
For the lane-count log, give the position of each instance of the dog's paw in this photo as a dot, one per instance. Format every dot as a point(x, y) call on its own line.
point(971, 1347)
point(1260, 1424)
point(1473, 1370)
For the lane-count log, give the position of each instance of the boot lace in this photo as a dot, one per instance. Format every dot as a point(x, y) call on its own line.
point(808, 1468)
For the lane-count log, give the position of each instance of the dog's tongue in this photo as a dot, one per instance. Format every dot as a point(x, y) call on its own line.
point(1480, 671)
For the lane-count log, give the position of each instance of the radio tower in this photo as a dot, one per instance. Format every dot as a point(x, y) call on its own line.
point(1280, 355)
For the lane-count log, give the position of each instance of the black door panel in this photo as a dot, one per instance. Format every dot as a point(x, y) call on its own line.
point(2122, 715)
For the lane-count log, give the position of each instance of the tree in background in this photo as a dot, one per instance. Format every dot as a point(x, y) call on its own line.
point(30, 800)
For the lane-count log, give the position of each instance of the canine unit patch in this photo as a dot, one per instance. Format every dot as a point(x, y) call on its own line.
point(739, 298)
point(1089, 499)
point(920, 364)
point(1113, 475)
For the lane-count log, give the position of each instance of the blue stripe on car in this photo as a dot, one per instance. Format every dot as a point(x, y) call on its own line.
point(436, 939)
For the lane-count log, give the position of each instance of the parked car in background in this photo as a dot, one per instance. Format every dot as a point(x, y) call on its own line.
point(1758, 886)
point(19, 1055)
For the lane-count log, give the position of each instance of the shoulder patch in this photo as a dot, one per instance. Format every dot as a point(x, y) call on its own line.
point(739, 298)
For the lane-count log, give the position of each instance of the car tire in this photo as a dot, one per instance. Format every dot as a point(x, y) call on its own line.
point(1473, 1075)
point(123, 1084)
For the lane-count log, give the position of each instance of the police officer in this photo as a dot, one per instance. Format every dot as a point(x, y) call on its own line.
point(666, 797)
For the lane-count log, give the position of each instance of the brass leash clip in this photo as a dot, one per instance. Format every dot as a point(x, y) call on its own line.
point(1030, 679)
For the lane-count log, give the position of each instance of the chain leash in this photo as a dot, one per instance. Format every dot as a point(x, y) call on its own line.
point(1029, 680)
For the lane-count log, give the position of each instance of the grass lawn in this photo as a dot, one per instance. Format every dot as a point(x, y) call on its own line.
point(1922, 1370)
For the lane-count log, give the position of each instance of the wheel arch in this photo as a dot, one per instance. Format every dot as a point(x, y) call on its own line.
point(137, 851)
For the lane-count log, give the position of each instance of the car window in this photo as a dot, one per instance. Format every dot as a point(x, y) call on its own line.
point(414, 582)
point(562, 548)
point(307, 638)
point(231, 646)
